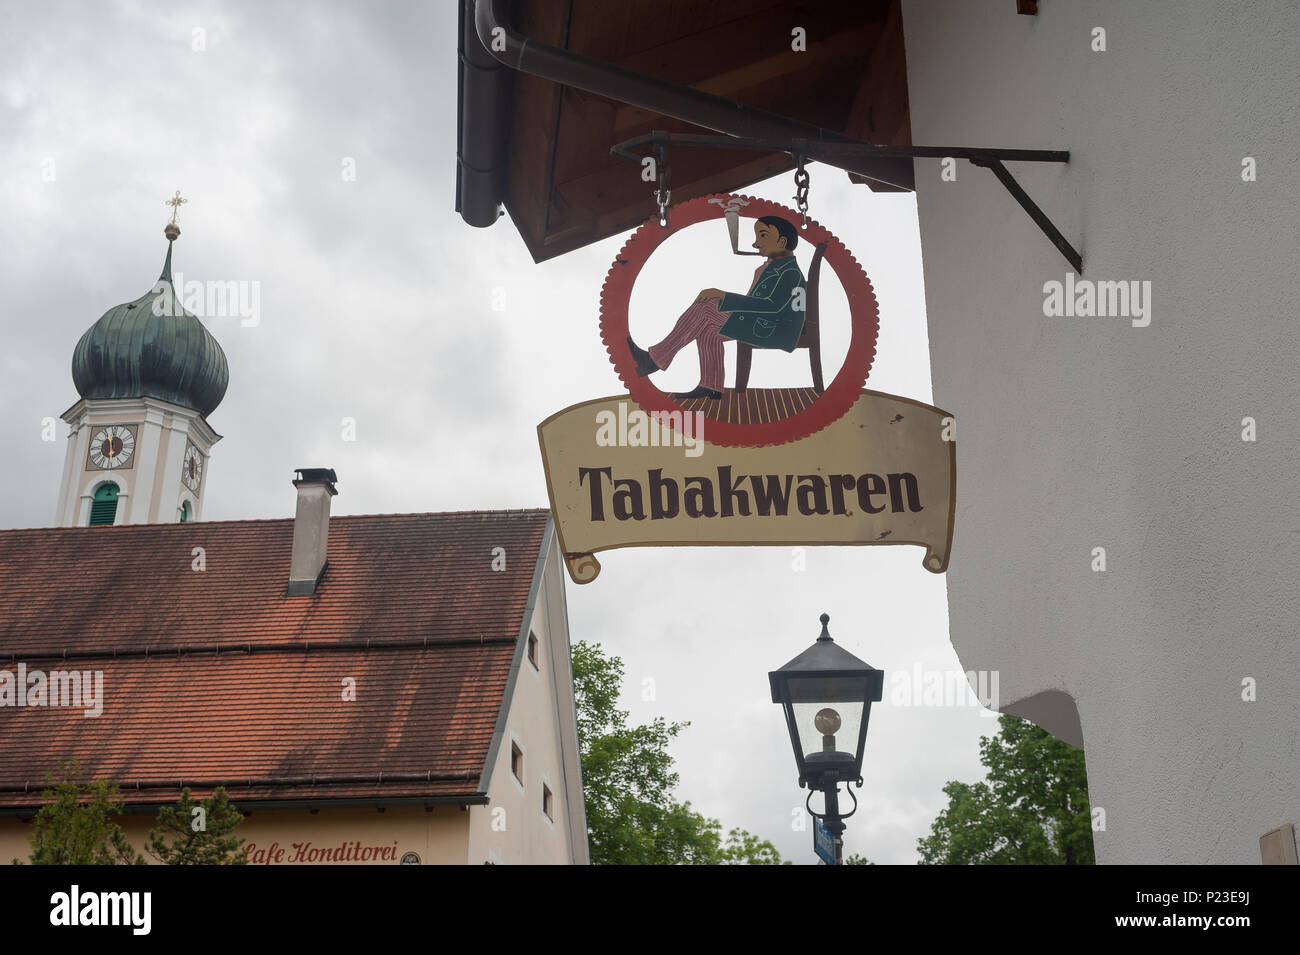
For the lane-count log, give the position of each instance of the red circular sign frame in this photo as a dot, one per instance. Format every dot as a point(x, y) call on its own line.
point(830, 406)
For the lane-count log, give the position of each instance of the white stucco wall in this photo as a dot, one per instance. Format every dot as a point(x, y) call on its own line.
point(1076, 433)
point(151, 487)
point(512, 829)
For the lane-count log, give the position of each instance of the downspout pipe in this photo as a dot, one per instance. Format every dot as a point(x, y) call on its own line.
point(483, 101)
point(521, 53)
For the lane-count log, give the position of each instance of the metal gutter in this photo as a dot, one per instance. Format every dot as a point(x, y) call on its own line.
point(483, 108)
point(247, 649)
point(247, 806)
point(267, 782)
point(127, 790)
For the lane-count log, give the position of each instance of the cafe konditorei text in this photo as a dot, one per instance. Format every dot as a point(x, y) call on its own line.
point(885, 473)
point(297, 853)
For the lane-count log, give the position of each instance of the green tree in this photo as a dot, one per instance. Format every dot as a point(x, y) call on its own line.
point(628, 782)
point(744, 848)
point(198, 833)
point(1032, 810)
point(75, 825)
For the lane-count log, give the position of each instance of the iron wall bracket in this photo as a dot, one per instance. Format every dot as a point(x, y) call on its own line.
point(842, 155)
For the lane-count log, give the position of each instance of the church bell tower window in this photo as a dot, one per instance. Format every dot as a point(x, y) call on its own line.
point(103, 507)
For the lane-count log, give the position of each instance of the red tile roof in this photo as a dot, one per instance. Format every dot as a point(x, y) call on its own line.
point(215, 676)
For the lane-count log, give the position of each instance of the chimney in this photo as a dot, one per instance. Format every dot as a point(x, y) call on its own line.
point(311, 529)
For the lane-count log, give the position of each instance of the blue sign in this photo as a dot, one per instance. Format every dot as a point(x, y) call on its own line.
point(823, 842)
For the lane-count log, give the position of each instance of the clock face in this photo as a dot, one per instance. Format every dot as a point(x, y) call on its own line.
point(192, 468)
point(111, 447)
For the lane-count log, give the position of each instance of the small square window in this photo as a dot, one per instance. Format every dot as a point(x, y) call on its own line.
point(517, 762)
point(532, 649)
point(546, 802)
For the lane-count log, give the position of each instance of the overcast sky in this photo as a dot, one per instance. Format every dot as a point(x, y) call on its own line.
point(376, 304)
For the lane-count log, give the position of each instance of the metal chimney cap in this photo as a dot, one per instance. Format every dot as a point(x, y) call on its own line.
point(315, 476)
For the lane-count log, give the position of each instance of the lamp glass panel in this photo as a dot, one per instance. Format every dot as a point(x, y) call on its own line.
point(828, 730)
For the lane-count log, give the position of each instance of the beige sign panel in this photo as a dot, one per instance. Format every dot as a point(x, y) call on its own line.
point(884, 473)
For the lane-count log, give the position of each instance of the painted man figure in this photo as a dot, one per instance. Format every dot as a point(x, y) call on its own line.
point(770, 316)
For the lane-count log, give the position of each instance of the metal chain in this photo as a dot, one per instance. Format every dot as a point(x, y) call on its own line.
point(663, 195)
point(662, 198)
point(801, 191)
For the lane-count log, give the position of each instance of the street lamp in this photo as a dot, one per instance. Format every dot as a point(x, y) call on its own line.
point(827, 693)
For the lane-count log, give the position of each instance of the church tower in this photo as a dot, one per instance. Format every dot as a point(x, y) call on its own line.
point(149, 374)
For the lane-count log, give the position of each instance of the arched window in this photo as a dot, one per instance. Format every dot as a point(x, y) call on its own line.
point(186, 516)
point(103, 507)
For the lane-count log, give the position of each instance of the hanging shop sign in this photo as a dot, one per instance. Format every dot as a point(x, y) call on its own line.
point(718, 465)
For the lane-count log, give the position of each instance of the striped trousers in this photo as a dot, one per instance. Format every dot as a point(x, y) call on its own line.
point(699, 324)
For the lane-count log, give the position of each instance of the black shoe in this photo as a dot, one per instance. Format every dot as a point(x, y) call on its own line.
point(645, 365)
point(698, 392)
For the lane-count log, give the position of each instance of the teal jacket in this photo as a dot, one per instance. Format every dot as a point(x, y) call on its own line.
point(767, 317)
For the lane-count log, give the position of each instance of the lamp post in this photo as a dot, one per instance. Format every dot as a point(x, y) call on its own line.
point(827, 693)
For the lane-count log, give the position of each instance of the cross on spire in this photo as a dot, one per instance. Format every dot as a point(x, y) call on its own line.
point(175, 202)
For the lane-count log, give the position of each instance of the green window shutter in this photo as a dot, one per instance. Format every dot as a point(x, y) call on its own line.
point(185, 511)
point(103, 507)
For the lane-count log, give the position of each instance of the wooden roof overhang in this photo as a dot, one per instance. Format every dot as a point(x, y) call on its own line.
point(541, 148)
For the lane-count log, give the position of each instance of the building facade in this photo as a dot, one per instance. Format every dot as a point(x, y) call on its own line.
point(384, 689)
point(1127, 535)
point(417, 706)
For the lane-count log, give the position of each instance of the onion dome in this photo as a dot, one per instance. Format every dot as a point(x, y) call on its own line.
point(152, 347)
